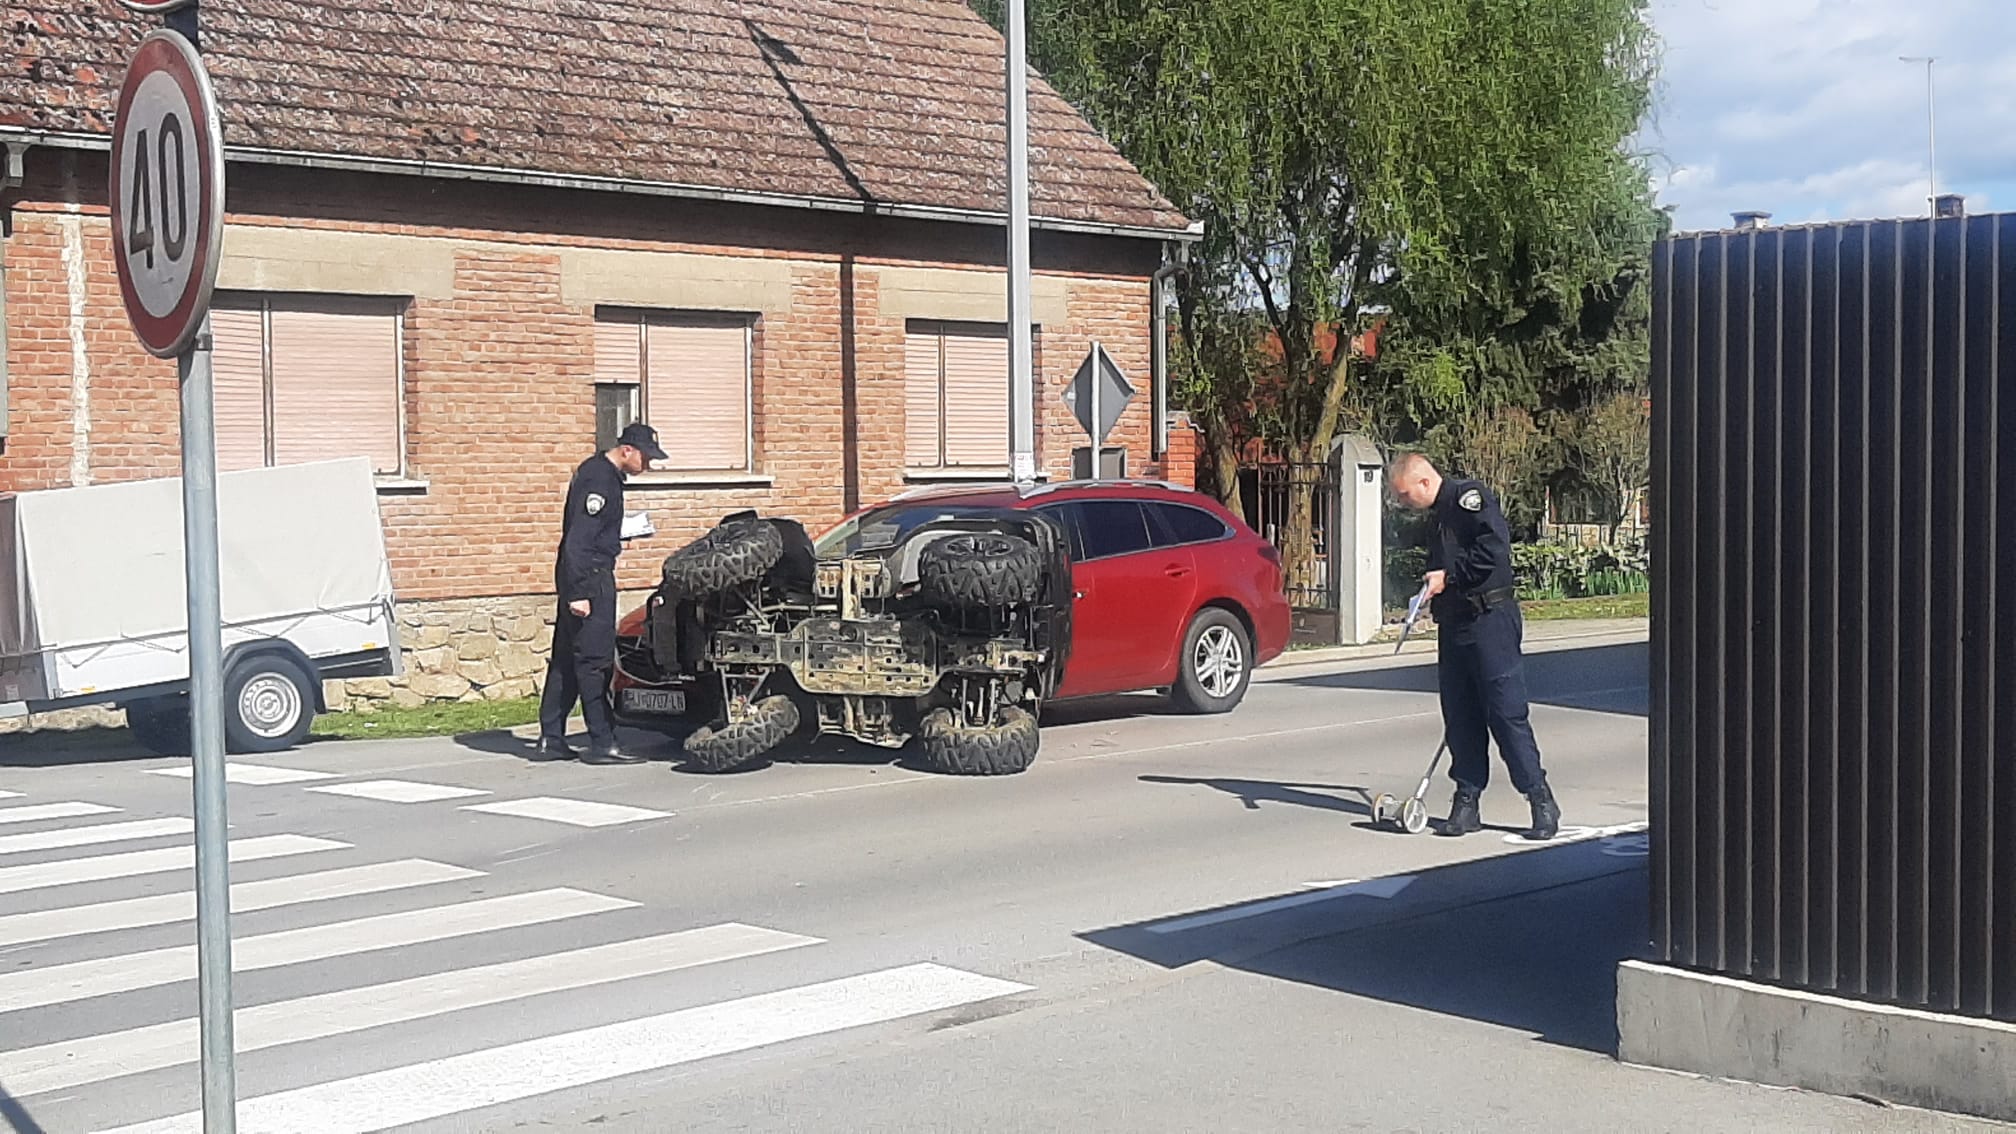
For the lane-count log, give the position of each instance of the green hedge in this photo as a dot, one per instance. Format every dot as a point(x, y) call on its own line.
point(1544, 570)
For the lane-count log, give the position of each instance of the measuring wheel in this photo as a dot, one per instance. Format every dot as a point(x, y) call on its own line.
point(1385, 808)
point(1414, 816)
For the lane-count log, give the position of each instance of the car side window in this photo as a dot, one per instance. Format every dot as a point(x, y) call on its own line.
point(1180, 524)
point(1111, 527)
point(1067, 518)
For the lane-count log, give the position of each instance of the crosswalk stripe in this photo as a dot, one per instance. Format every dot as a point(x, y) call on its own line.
point(443, 1087)
point(132, 864)
point(77, 1063)
point(86, 836)
point(579, 812)
point(10, 795)
point(254, 775)
point(35, 812)
point(61, 984)
point(398, 791)
point(270, 893)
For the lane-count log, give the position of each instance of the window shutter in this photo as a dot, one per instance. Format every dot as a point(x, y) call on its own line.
point(976, 400)
point(336, 384)
point(619, 350)
point(238, 375)
point(921, 411)
point(697, 392)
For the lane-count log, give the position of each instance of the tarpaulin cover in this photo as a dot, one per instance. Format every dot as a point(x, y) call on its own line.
point(88, 566)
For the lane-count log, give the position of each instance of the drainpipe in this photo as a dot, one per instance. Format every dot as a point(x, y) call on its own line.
point(11, 176)
point(1158, 347)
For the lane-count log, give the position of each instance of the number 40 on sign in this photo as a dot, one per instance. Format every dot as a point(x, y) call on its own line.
point(166, 192)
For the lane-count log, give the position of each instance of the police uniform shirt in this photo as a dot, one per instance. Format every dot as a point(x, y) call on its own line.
point(591, 533)
point(1472, 542)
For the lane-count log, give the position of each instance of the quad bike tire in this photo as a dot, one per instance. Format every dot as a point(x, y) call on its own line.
point(981, 570)
point(739, 551)
point(1001, 749)
point(728, 747)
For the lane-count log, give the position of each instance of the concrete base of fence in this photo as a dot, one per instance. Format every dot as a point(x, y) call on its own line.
point(1730, 1029)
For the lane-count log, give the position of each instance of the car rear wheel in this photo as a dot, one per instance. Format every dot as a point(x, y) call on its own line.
point(269, 705)
point(1217, 663)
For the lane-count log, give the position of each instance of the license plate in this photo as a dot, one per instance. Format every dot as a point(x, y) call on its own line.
point(654, 701)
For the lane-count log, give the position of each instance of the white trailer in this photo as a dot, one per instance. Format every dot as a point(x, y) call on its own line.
point(93, 609)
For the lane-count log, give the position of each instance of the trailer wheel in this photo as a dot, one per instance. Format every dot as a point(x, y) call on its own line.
point(269, 705)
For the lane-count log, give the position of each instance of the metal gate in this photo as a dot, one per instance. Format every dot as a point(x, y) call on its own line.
point(1833, 753)
point(1271, 490)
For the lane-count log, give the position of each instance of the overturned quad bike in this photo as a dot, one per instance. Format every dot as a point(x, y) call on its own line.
point(949, 632)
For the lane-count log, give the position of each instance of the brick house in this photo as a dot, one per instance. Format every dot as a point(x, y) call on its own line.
point(471, 241)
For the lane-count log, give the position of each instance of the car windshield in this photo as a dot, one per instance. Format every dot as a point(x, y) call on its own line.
point(881, 528)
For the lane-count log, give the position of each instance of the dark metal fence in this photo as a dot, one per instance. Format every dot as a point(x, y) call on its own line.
point(1833, 752)
point(1271, 490)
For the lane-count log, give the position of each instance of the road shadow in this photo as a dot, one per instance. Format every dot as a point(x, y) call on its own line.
point(655, 746)
point(18, 1119)
point(1253, 793)
point(1608, 679)
point(1108, 709)
point(57, 748)
point(1529, 941)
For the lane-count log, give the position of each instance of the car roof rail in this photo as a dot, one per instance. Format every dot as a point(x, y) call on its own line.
point(1106, 482)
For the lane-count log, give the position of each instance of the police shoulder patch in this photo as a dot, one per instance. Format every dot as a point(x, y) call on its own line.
point(1471, 500)
point(594, 503)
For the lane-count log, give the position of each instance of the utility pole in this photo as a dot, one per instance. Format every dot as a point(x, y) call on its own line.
point(1931, 136)
point(1021, 351)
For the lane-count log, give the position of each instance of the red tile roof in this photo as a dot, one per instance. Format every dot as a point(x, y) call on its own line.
point(898, 102)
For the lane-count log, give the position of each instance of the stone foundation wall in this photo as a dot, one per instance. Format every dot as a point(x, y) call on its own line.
point(492, 649)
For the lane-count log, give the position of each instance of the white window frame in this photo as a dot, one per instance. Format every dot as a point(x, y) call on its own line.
point(641, 386)
point(397, 306)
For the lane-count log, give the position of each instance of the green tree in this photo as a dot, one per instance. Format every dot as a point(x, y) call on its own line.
point(1338, 150)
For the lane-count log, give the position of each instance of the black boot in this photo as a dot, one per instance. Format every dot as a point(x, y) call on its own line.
point(1546, 813)
point(1464, 818)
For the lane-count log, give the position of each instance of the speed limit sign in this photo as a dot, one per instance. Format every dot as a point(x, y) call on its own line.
point(167, 192)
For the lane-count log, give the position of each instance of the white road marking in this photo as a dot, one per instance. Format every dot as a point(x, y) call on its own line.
point(1573, 834)
point(579, 812)
point(39, 811)
point(257, 775)
point(14, 879)
point(10, 795)
point(86, 836)
point(444, 1087)
point(1370, 888)
point(398, 791)
point(61, 984)
point(271, 893)
point(77, 1063)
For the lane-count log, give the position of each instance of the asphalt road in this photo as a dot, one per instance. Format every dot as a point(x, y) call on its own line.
point(1170, 923)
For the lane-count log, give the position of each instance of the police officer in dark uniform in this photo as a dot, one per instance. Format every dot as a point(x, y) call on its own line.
point(1479, 629)
point(584, 575)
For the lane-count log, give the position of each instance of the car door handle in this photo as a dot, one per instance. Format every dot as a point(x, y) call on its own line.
point(1175, 570)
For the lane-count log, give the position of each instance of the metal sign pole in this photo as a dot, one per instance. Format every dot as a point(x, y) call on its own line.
point(206, 733)
point(1097, 465)
point(1021, 351)
point(166, 239)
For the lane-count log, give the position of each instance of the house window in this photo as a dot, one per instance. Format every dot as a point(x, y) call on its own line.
point(955, 397)
point(308, 378)
point(688, 375)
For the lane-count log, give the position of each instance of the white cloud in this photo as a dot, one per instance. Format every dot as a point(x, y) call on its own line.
point(1803, 109)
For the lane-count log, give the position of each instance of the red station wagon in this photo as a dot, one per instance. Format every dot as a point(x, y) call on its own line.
point(1170, 589)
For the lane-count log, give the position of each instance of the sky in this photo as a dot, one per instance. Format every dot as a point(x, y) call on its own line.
point(1802, 108)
